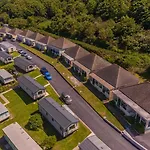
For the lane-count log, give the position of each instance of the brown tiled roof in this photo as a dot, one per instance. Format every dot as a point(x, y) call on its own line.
point(15, 31)
point(76, 52)
point(36, 36)
point(46, 40)
point(62, 43)
point(26, 33)
point(4, 30)
point(117, 76)
point(140, 94)
point(93, 62)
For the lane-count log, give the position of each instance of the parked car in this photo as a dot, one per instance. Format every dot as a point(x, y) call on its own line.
point(20, 51)
point(28, 57)
point(13, 39)
point(43, 70)
point(24, 54)
point(66, 98)
point(4, 39)
point(46, 74)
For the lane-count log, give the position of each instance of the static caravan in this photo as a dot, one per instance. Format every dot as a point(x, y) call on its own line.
point(24, 64)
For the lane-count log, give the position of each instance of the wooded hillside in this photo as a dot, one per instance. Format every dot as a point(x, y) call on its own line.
point(122, 26)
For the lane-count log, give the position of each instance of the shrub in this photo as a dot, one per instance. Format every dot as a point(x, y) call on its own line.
point(49, 142)
point(35, 122)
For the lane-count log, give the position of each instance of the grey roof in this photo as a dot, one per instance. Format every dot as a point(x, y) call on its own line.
point(117, 76)
point(23, 61)
point(20, 138)
point(62, 43)
point(29, 82)
point(3, 109)
point(46, 40)
point(140, 94)
point(93, 62)
point(5, 55)
point(7, 44)
point(76, 52)
point(36, 36)
point(26, 33)
point(60, 114)
point(93, 143)
point(15, 31)
point(5, 74)
point(4, 30)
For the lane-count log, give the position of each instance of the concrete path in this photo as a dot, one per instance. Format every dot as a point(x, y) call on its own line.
point(4, 98)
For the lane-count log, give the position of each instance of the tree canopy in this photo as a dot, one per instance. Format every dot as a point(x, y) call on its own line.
point(110, 24)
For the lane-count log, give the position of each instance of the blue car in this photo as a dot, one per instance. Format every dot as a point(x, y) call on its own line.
point(46, 74)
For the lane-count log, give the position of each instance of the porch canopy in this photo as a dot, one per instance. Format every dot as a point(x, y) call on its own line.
point(81, 66)
point(132, 104)
point(66, 56)
point(101, 81)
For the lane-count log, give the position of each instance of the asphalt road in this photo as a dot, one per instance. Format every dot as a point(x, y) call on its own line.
point(106, 133)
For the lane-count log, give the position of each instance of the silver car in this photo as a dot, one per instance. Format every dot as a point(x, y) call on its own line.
point(66, 98)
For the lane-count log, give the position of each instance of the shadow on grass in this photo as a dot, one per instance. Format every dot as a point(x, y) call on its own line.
point(97, 93)
point(25, 97)
point(47, 127)
point(146, 74)
point(50, 130)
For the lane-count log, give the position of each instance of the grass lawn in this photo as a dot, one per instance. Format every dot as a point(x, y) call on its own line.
point(42, 80)
point(21, 107)
point(34, 73)
point(2, 101)
point(86, 94)
point(6, 66)
point(52, 94)
point(72, 141)
point(15, 54)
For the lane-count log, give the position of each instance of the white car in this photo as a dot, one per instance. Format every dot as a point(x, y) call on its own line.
point(28, 57)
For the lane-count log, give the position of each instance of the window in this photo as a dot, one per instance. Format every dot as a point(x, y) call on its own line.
point(46, 114)
point(30, 66)
point(52, 119)
point(40, 92)
point(61, 128)
point(72, 127)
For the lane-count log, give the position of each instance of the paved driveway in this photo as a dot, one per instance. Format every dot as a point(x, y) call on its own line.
point(107, 134)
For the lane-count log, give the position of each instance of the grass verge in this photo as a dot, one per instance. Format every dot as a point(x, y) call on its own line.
point(15, 54)
point(41, 80)
point(34, 73)
point(86, 94)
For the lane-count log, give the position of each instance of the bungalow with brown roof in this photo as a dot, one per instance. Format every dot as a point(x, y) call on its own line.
point(58, 46)
point(89, 63)
point(73, 53)
point(13, 33)
point(30, 40)
point(42, 43)
point(4, 31)
point(22, 36)
point(134, 102)
point(110, 78)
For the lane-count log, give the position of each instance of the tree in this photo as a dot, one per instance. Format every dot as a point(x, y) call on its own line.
point(140, 10)
point(18, 23)
point(49, 142)
point(112, 9)
point(35, 122)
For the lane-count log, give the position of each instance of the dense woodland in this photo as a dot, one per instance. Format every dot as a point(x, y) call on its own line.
point(122, 26)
